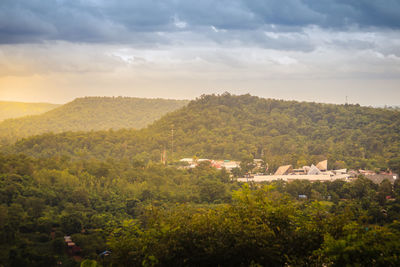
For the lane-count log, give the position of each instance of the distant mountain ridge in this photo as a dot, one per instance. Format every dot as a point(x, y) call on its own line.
point(11, 109)
point(239, 127)
point(91, 113)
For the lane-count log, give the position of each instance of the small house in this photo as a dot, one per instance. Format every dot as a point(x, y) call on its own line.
point(284, 170)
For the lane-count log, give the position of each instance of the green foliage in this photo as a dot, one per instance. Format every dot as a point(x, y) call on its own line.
point(108, 192)
point(360, 246)
point(242, 128)
point(153, 214)
point(89, 263)
point(261, 227)
point(87, 200)
point(91, 113)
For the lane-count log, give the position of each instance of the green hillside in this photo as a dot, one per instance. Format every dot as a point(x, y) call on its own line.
point(104, 190)
point(91, 113)
point(10, 110)
point(240, 127)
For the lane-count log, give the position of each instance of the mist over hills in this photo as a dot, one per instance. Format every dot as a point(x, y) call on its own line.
point(10, 109)
point(239, 127)
point(91, 113)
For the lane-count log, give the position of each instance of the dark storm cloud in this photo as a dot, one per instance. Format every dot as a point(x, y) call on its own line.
point(129, 21)
point(365, 13)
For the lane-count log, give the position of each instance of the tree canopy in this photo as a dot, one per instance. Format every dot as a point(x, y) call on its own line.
point(151, 214)
point(109, 193)
point(91, 113)
point(241, 127)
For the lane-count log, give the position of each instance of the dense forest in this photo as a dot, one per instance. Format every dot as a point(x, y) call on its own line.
point(107, 193)
point(153, 215)
point(91, 113)
point(242, 127)
point(10, 110)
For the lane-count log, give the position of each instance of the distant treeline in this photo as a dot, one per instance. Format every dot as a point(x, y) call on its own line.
point(90, 113)
point(10, 110)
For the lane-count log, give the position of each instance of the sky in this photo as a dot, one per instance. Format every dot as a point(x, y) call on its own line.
point(307, 50)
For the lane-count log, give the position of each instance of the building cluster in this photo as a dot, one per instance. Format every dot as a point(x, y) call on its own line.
point(218, 164)
point(72, 249)
point(318, 172)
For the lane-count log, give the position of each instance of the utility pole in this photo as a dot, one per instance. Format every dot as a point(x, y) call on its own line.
point(165, 156)
point(172, 140)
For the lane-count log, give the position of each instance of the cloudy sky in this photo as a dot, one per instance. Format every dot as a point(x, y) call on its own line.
point(311, 50)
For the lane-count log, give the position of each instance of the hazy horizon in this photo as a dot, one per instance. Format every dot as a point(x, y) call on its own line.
point(189, 99)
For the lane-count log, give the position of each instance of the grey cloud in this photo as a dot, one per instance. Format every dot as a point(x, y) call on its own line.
point(290, 12)
point(224, 14)
point(140, 22)
point(365, 13)
point(264, 38)
point(358, 44)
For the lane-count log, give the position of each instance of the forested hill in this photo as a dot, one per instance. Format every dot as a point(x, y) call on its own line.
point(91, 113)
point(240, 127)
point(10, 110)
